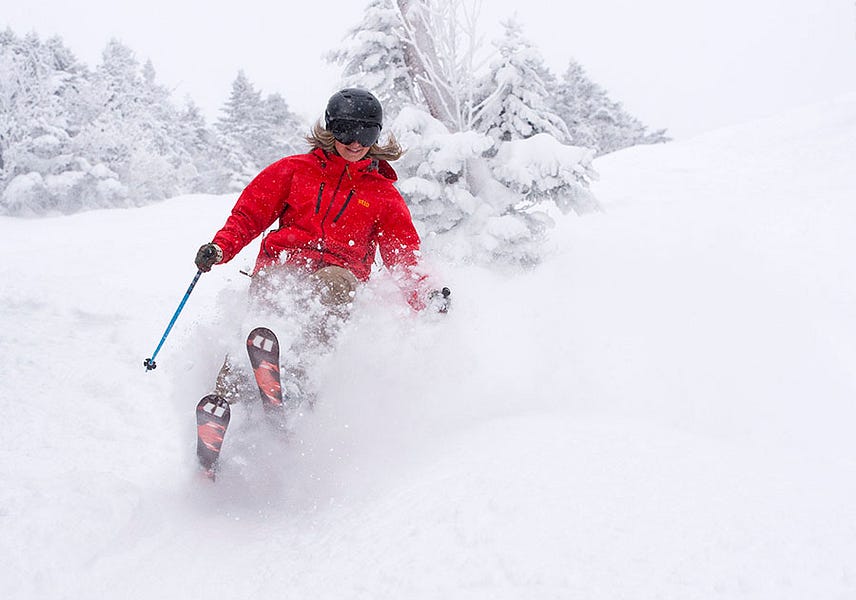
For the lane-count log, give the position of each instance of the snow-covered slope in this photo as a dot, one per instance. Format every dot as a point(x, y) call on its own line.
point(663, 409)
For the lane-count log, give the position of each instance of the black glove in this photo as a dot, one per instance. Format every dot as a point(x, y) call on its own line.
point(208, 256)
point(440, 300)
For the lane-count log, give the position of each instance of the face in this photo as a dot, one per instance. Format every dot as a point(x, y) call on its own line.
point(351, 152)
point(353, 138)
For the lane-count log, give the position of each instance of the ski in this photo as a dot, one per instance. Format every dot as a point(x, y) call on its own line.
point(212, 419)
point(263, 349)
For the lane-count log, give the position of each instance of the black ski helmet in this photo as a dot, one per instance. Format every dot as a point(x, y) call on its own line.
point(354, 104)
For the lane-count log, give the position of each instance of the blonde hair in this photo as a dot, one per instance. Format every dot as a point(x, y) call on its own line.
point(323, 138)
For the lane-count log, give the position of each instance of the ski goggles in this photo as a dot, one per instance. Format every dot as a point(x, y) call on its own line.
point(347, 132)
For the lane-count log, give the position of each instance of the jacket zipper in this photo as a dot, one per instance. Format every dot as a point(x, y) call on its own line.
point(335, 192)
point(329, 206)
point(318, 201)
point(345, 205)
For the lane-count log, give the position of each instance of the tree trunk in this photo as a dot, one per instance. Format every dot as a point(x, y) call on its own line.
point(420, 56)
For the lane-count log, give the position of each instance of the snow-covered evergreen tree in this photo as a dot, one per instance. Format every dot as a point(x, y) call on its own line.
point(130, 133)
point(205, 148)
point(465, 199)
point(74, 139)
point(164, 166)
point(239, 126)
point(595, 120)
point(435, 170)
point(477, 198)
point(513, 99)
point(44, 95)
point(284, 131)
point(372, 57)
point(255, 132)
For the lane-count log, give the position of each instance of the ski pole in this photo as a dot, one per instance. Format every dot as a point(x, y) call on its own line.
point(149, 363)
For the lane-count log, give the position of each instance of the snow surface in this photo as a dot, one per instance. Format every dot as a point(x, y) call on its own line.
point(662, 409)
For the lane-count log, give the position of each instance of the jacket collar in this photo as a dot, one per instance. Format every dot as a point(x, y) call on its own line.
point(368, 166)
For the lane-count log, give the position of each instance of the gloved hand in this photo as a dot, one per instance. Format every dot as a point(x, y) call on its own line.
point(440, 300)
point(208, 256)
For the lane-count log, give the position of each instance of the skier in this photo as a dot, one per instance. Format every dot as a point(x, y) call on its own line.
point(335, 207)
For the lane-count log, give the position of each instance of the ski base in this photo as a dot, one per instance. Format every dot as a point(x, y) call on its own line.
point(212, 420)
point(263, 350)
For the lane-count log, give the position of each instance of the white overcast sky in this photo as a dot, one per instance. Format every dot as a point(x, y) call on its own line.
point(687, 65)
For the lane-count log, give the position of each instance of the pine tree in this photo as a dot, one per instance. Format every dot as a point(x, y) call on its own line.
point(203, 146)
point(74, 139)
point(255, 132)
point(240, 131)
point(283, 131)
point(480, 193)
point(514, 100)
point(372, 58)
point(132, 130)
point(241, 112)
point(594, 120)
point(43, 92)
point(163, 166)
point(117, 125)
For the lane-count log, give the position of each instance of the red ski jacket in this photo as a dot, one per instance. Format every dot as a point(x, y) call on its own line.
point(330, 212)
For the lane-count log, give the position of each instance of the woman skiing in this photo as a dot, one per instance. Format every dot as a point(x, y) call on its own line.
point(336, 206)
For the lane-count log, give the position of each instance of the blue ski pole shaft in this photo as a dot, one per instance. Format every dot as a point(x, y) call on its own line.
point(149, 363)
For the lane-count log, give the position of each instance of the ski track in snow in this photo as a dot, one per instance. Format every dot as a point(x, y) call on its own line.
point(662, 409)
